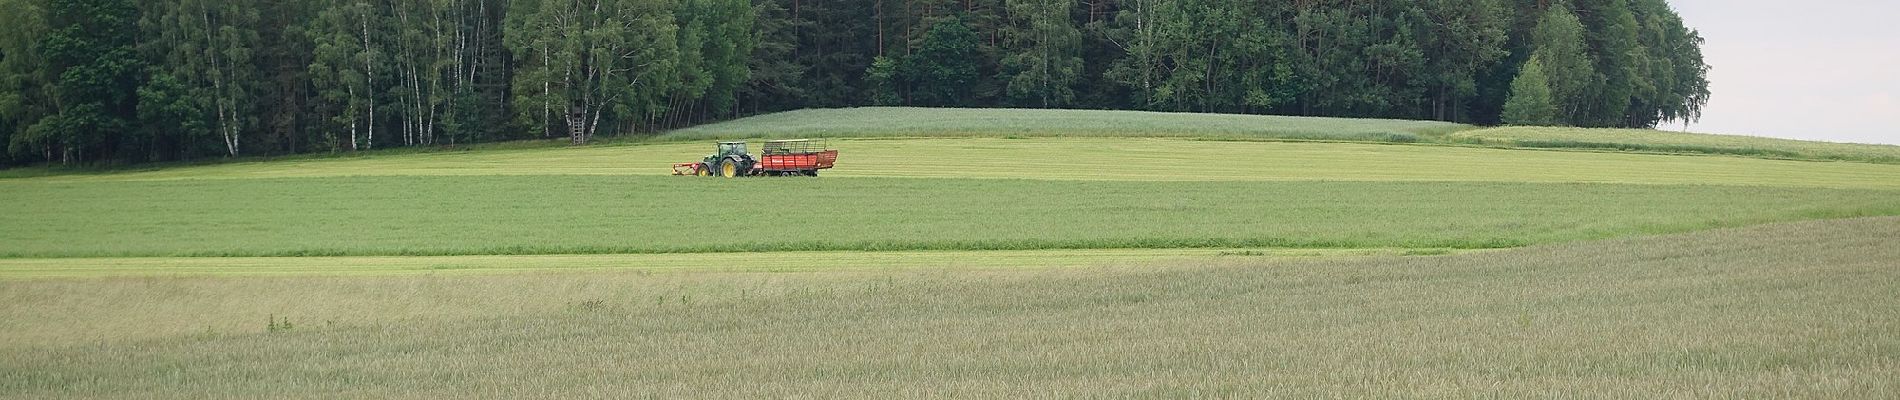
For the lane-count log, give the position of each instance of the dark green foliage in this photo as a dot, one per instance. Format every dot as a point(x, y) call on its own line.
point(172, 121)
point(944, 67)
point(1530, 102)
point(26, 82)
point(89, 49)
point(266, 77)
point(774, 77)
point(1044, 61)
point(881, 82)
point(1574, 81)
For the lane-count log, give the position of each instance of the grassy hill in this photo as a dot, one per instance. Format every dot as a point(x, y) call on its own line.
point(1676, 142)
point(972, 253)
point(942, 122)
point(1001, 122)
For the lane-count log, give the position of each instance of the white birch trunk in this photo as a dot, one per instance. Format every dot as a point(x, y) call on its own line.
point(369, 73)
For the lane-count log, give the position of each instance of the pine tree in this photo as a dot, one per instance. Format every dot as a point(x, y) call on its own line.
point(1530, 102)
point(773, 76)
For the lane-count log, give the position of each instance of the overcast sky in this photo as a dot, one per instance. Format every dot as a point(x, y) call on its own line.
point(1817, 70)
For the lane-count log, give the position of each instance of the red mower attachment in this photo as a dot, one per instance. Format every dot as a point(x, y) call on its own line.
point(687, 168)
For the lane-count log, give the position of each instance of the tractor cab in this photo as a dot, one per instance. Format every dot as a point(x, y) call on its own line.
point(728, 149)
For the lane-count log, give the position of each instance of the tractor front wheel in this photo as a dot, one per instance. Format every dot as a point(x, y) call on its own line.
point(704, 169)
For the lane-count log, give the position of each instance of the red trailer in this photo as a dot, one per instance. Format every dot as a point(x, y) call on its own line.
point(795, 157)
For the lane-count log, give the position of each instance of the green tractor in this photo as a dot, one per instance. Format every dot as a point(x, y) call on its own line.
point(732, 160)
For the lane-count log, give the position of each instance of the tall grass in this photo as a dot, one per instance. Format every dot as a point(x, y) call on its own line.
point(475, 215)
point(999, 122)
point(1801, 310)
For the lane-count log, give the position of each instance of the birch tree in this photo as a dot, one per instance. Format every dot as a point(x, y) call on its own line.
point(208, 47)
point(345, 68)
point(585, 62)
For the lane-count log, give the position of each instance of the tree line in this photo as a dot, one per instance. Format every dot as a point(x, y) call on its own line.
point(85, 81)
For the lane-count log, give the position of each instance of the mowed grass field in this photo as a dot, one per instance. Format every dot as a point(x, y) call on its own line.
point(469, 215)
point(1086, 159)
point(1009, 261)
point(1801, 310)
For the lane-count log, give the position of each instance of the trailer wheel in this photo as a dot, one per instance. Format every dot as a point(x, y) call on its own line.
point(811, 172)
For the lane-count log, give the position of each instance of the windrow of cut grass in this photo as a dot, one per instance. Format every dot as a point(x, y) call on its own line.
point(1800, 310)
point(1114, 159)
point(501, 215)
point(1643, 140)
point(796, 261)
point(1002, 122)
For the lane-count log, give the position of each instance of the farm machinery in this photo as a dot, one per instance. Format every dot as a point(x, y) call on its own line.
point(797, 157)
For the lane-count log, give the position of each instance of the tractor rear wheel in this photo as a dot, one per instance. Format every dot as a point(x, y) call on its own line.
point(729, 169)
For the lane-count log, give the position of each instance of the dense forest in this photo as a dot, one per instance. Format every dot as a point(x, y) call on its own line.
point(115, 81)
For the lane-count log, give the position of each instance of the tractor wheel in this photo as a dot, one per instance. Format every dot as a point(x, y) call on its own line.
point(703, 170)
point(729, 169)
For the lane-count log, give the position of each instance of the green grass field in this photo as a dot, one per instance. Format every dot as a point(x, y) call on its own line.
point(478, 215)
point(973, 253)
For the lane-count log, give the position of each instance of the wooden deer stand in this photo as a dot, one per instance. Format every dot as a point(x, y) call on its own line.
point(577, 124)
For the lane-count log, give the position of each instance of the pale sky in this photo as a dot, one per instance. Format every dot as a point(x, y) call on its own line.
point(1814, 70)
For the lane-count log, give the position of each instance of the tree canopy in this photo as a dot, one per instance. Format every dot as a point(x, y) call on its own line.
point(111, 81)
